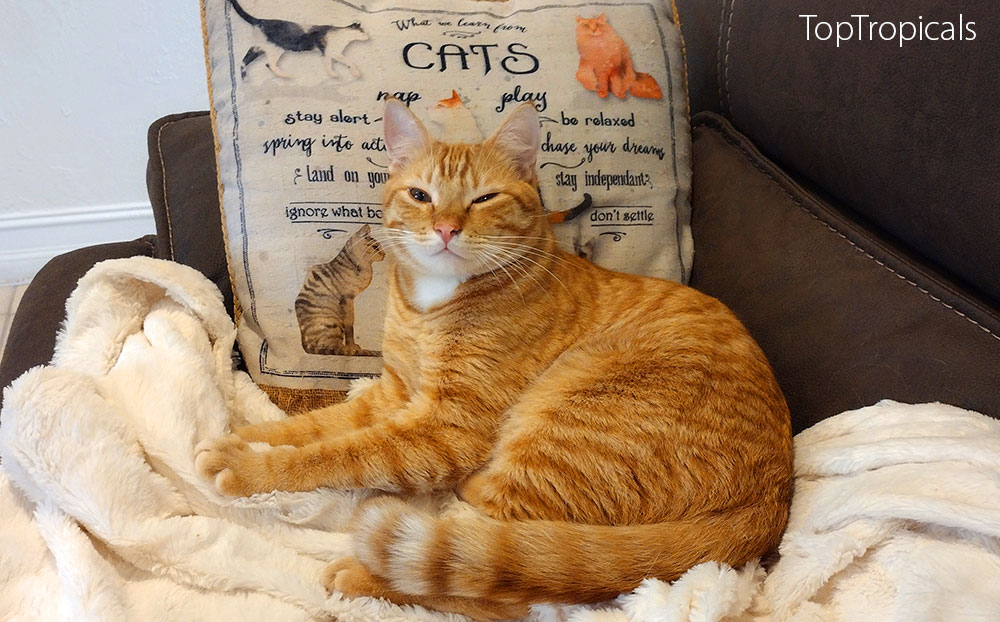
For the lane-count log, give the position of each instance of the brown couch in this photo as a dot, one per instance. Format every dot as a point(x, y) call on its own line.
point(846, 204)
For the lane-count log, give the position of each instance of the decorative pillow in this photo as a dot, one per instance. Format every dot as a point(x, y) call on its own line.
point(297, 95)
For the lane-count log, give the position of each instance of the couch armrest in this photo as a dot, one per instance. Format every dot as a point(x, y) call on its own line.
point(845, 316)
point(42, 310)
point(700, 27)
point(184, 192)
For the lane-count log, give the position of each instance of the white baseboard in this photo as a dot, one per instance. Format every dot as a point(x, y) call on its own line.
point(28, 241)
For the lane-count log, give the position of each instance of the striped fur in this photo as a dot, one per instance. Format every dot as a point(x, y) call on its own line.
point(510, 562)
point(602, 427)
point(325, 304)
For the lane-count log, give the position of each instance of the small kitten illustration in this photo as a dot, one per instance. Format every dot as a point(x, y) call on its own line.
point(325, 304)
point(452, 121)
point(282, 36)
point(605, 62)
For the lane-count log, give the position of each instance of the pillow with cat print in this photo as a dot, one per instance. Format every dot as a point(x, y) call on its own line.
point(298, 88)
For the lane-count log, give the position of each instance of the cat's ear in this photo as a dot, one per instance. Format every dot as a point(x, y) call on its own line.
point(518, 138)
point(405, 136)
point(602, 18)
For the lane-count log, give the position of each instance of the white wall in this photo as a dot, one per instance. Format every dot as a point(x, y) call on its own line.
point(80, 81)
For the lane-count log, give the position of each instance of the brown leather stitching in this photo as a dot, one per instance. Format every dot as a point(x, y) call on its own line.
point(722, 57)
point(718, 57)
point(725, 62)
point(163, 178)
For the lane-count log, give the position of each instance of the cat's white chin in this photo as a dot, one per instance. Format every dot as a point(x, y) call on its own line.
point(441, 261)
point(431, 290)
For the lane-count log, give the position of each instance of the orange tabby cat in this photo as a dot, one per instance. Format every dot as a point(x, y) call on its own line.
point(605, 62)
point(603, 427)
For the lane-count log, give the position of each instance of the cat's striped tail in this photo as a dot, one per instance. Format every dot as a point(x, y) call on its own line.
point(471, 555)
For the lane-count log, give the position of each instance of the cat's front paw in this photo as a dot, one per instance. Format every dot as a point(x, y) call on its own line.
point(236, 470)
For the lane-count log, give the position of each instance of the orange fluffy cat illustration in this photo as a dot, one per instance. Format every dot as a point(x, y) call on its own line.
point(605, 62)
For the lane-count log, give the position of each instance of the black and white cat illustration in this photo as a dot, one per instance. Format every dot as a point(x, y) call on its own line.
point(281, 36)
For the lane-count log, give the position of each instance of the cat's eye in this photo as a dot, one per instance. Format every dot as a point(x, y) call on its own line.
point(419, 195)
point(484, 198)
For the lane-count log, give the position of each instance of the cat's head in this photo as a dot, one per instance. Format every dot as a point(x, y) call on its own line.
point(363, 244)
point(458, 209)
point(592, 25)
point(357, 32)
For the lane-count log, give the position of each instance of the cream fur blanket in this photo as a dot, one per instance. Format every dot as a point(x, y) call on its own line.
point(896, 512)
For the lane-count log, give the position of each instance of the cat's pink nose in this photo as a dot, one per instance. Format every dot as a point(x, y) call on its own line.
point(447, 230)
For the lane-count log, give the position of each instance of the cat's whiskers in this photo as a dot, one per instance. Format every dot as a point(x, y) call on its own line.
point(483, 254)
point(520, 237)
point(384, 245)
point(512, 255)
point(529, 248)
point(558, 244)
point(538, 284)
point(523, 275)
point(552, 274)
point(512, 262)
point(368, 244)
point(535, 251)
point(391, 239)
point(504, 258)
point(395, 235)
point(496, 277)
point(500, 250)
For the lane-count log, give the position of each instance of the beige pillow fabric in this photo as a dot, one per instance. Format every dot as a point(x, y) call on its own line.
point(297, 95)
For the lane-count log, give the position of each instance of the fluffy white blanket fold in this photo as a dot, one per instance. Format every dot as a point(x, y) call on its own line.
point(896, 512)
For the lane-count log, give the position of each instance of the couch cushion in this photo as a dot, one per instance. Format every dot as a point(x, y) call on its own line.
point(845, 318)
point(904, 133)
point(184, 191)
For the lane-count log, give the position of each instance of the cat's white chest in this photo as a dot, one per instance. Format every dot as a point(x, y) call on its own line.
point(432, 290)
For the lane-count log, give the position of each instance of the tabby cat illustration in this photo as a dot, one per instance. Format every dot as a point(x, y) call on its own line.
point(601, 427)
point(325, 305)
point(605, 62)
point(281, 36)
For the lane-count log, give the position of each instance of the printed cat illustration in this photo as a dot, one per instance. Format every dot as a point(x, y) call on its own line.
point(605, 62)
point(601, 428)
point(452, 121)
point(581, 228)
point(325, 305)
point(282, 36)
